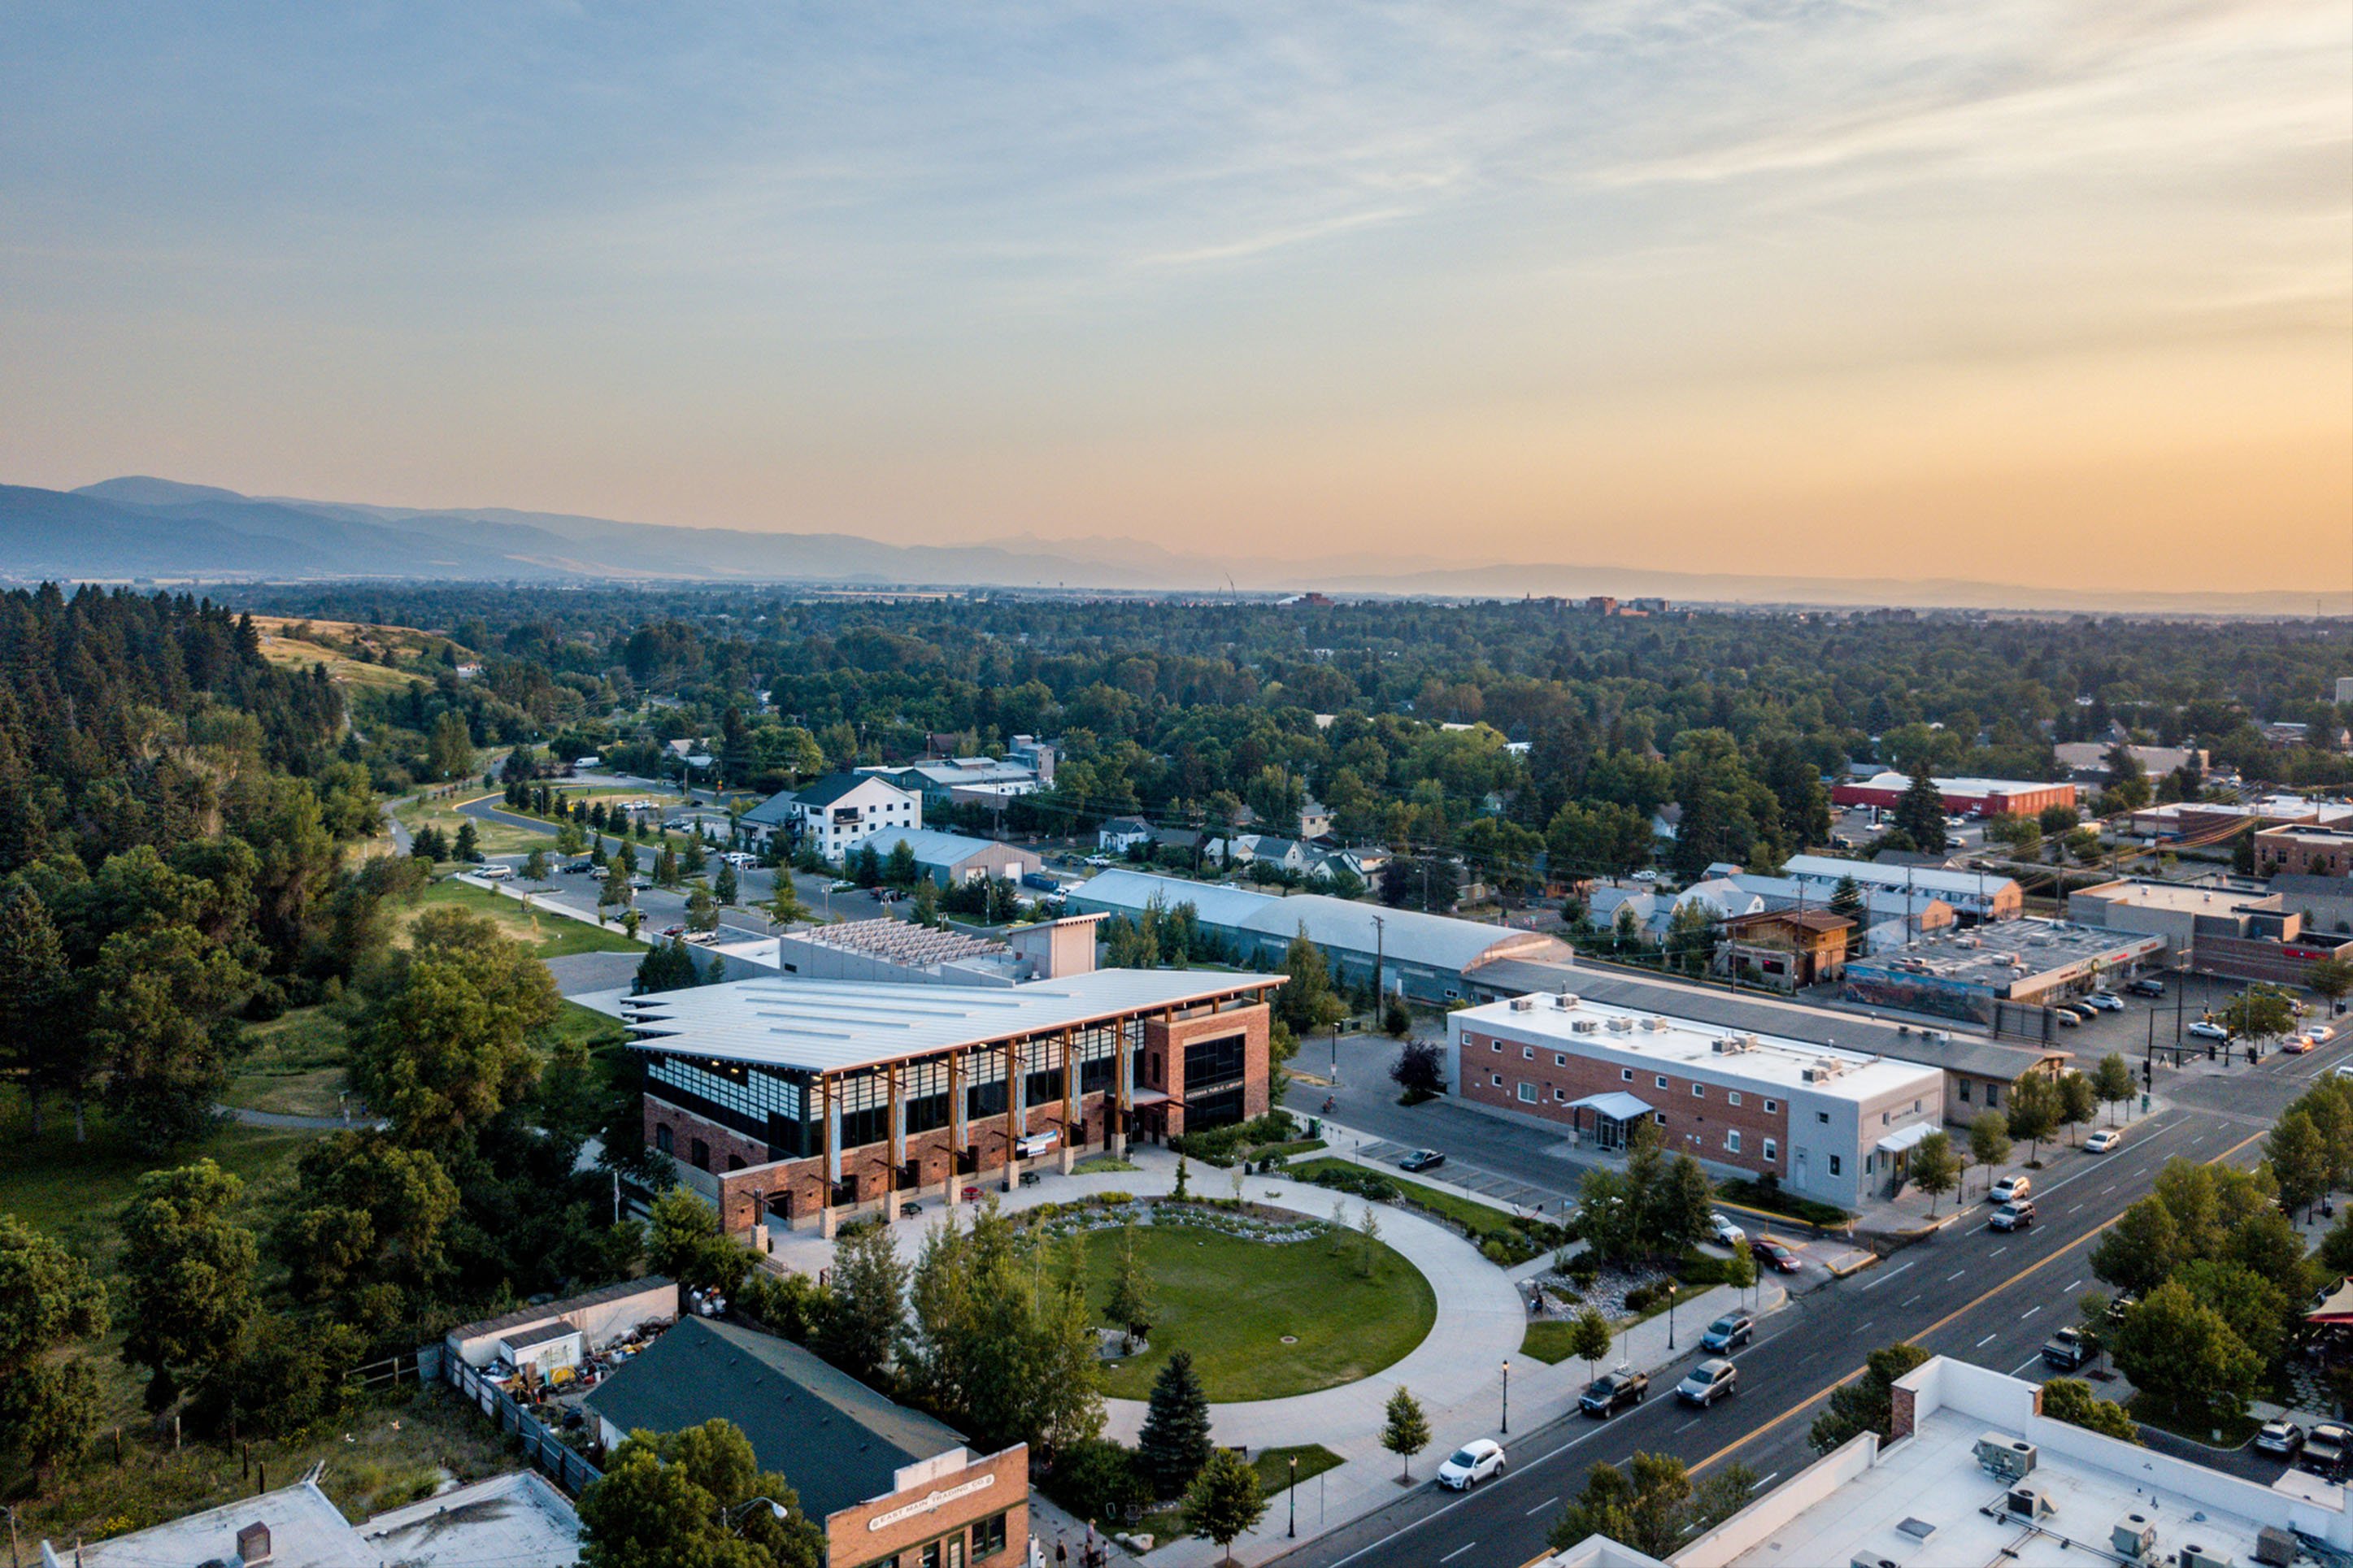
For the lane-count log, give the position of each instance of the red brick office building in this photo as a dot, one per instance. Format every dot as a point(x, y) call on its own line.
point(798, 1102)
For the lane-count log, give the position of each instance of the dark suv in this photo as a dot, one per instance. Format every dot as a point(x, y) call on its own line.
point(2146, 986)
point(1728, 1332)
point(1614, 1391)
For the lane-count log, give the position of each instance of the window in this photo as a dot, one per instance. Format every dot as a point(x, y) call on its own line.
point(1732, 1095)
point(1769, 1107)
point(1210, 1063)
point(1560, 1096)
point(1560, 1059)
point(1660, 1116)
point(1886, 1117)
point(1626, 1075)
point(664, 1139)
point(1834, 1165)
point(1993, 1096)
point(1497, 1077)
point(1495, 1044)
point(1824, 1117)
point(988, 1536)
point(1732, 1142)
point(1772, 1151)
point(1698, 1093)
point(1965, 1090)
point(1662, 1080)
point(1527, 1053)
point(1527, 1094)
point(701, 1155)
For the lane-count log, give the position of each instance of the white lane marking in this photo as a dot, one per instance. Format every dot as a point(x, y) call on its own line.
point(1865, 1325)
point(1997, 1251)
point(1541, 1506)
point(2021, 1366)
point(1458, 1552)
point(1983, 1342)
point(2029, 1312)
point(1692, 1423)
point(1909, 1300)
point(1889, 1275)
point(1956, 1274)
point(2107, 1190)
point(2070, 1285)
point(1767, 1481)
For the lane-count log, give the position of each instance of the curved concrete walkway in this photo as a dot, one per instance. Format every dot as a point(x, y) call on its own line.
point(1480, 1322)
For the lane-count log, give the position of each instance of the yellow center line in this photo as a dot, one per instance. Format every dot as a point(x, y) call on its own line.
point(1832, 1388)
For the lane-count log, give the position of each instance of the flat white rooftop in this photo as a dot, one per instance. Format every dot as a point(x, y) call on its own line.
point(1655, 1038)
point(1933, 1482)
point(516, 1521)
point(2173, 896)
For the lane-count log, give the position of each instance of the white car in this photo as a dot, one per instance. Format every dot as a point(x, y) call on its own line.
point(2105, 1001)
point(1473, 1462)
point(739, 858)
point(494, 872)
point(2208, 1029)
point(2319, 1033)
point(2105, 1139)
point(2010, 1189)
point(1724, 1232)
point(1645, 877)
point(1098, 860)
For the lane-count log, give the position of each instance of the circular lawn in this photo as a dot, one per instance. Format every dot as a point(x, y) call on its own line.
point(1232, 1302)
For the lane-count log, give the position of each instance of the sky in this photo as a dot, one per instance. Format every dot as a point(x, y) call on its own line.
point(2022, 291)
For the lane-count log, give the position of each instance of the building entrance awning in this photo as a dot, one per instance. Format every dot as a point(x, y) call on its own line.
point(1617, 1106)
point(2335, 1306)
point(1904, 1138)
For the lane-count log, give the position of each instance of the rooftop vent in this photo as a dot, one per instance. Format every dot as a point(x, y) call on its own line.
point(2028, 1503)
point(1997, 1453)
point(2134, 1536)
point(253, 1545)
point(2275, 1547)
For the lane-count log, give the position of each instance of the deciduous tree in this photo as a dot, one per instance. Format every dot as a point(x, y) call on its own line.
point(49, 1402)
point(1225, 1501)
point(188, 1271)
point(1406, 1431)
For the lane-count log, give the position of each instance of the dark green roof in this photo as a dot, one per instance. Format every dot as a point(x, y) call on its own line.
point(837, 1440)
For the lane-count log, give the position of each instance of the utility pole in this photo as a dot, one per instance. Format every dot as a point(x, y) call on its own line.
point(1380, 938)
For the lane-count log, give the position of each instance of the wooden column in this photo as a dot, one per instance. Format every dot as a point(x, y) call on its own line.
point(897, 1146)
point(1069, 1100)
point(829, 1218)
point(953, 1193)
point(1013, 1109)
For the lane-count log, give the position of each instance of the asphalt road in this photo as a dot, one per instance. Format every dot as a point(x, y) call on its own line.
point(1973, 1293)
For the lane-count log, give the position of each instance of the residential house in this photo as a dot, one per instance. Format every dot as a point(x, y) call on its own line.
point(834, 814)
point(1121, 834)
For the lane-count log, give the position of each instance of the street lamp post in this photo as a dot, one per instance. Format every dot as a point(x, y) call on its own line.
point(1292, 1492)
point(1671, 1314)
point(1507, 1397)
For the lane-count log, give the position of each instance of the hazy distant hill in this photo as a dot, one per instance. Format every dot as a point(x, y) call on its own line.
point(139, 527)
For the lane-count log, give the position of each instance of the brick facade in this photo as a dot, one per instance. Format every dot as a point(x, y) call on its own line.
point(796, 1192)
point(1162, 1066)
point(1694, 1124)
point(1000, 1485)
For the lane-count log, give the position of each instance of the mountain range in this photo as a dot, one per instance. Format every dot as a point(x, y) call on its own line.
point(142, 528)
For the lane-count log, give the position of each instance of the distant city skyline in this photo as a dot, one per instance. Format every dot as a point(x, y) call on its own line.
point(2020, 293)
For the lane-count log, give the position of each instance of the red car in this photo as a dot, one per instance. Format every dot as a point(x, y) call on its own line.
point(1775, 1253)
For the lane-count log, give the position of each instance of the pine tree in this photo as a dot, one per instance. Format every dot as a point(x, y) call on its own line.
point(1175, 1442)
point(724, 886)
point(468, 848)
point(36, 1014)
point(1920, 812)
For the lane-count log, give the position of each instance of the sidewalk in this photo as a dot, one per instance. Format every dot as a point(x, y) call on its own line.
point(1459, 1371)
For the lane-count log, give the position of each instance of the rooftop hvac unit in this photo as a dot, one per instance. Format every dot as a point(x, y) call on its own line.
point(1621, 1026)
point(1997, 1453)
point(2134, 1536)
point(1524, 1004)
point(1871, 1560)
point(1566, 1000)
point(1655, 1025)
point(2200, 1557)
point(1586, 1025)
point(2028, 1503)
point(2274, 1547)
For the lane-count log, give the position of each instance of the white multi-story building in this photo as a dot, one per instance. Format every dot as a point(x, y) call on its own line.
point(833, 814)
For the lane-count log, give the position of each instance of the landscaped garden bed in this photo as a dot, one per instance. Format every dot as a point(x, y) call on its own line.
point(1504, 1237)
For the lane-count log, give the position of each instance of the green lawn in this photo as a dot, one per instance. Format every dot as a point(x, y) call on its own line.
point(491, 837)
point(292, 1064)
point(1548, 1340)
point(1482, 1220)
point(546, 933)
point(1275, 1476)
point(1230, 1302)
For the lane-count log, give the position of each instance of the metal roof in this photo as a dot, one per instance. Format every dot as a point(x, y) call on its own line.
point(934, 848)
point(1831, 868)
point(1408, 936)
point(826, 1026)
point(1617, 1105)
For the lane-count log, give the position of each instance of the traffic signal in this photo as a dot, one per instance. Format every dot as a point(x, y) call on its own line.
point(2148, 1075)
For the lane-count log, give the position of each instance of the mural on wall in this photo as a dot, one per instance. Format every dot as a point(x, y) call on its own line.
point(1918, 993)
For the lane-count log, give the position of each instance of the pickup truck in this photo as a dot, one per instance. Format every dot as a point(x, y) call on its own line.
point(2069, 1348)
point(1613, 1391)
